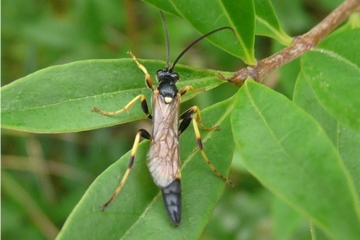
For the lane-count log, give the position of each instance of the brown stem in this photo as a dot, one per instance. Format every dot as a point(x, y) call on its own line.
point(299, 46)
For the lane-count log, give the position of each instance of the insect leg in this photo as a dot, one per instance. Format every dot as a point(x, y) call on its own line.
point(187, 117)
point(148, 79)
point(144, 107)
point(191, 89)
point(141, 133)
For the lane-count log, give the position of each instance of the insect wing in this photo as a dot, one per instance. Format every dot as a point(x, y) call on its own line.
point(163, 156)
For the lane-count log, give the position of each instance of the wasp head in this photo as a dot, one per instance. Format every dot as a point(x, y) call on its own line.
point(167, 87)
point(167, 75)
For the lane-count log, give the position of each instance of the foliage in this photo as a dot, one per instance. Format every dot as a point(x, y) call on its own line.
point(303, 150)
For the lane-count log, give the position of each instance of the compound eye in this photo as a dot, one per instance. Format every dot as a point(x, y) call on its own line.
point(160, 75)
point(175, 76)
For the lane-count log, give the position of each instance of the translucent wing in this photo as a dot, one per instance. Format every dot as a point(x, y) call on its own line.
point(163, 156)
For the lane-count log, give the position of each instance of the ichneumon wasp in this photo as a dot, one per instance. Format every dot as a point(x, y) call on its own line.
point(163, 158)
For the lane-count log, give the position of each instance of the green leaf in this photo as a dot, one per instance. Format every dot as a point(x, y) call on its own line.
point(333, 71)
point(164, 5)
point(138, 211)
point(304, 97)
point(267, 23)
point(348, 146)
point(206, 16)
point(317, 234)
point(244, 26)
point(290, 154)
point(238, 14)
point(60, 98)
point(285, 219)
point(344, 139)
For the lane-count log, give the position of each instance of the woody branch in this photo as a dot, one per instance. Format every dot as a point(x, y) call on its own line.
point(299, 46)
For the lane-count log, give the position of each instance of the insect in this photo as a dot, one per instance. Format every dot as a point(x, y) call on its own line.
point(163, 158)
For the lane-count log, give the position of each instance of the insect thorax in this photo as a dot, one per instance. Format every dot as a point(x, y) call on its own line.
point(168, 90)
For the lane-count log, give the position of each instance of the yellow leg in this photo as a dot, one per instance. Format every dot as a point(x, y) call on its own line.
point(148, 79)
point(200, 147)
point(198, 120)
point(141, 133)
point(188, 115)
point(144, 107)
point(191, 89)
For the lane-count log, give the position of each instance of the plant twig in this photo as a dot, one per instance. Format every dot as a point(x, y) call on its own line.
point(299, 46)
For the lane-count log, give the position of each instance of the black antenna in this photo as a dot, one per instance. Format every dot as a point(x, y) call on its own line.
point(167, 40)
point(194, 42)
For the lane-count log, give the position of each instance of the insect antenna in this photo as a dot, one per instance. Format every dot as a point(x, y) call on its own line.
point(167, 40)
point(196, 41)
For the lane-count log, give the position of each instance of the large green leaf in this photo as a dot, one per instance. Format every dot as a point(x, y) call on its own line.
point(60, 98)
point(267, 23)
point(138, 211)
point(285, 219)
point(344, 139)
point(164, 5)
point(333, 71)
point(238, 14)
point(206, 16)
point(289, 152)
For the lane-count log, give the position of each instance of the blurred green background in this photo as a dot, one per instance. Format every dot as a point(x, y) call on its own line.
point(44, 176)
